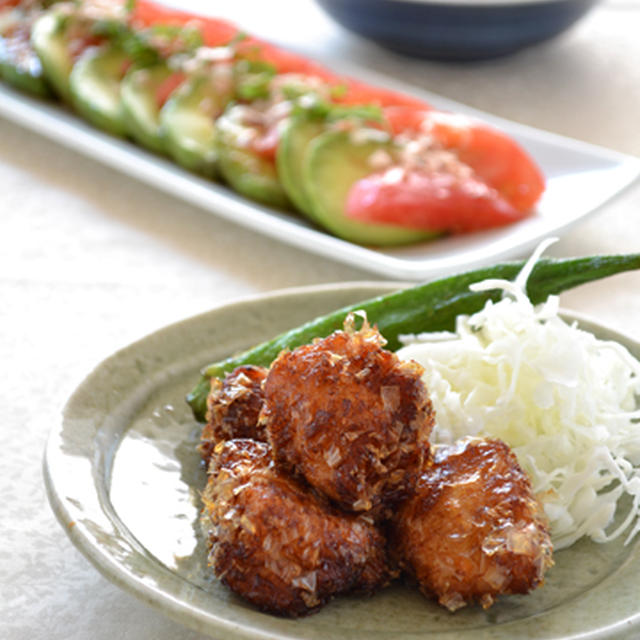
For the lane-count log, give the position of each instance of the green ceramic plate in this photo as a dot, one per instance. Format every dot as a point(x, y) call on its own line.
point(123, 478)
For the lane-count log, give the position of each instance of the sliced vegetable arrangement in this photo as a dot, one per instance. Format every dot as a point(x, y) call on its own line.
point(364, 163)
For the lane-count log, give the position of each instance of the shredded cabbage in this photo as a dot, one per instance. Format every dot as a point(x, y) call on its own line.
point(565, 401)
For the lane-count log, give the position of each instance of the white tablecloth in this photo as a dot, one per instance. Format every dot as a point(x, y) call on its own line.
point(91, 260)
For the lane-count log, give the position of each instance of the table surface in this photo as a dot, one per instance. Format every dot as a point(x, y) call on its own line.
point(91, 260)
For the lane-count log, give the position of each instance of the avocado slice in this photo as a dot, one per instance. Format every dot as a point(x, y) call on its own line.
point(19, 64)
point(95, 87)
point(51, 42)
point(290, 157)
point(246, 171)
point(188, 123)
point(140, 106)
point(333, 163)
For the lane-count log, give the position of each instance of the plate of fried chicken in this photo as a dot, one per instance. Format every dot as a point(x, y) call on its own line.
point(260, 524)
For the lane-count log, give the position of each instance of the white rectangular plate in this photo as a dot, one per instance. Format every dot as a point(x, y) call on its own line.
point(581, 178)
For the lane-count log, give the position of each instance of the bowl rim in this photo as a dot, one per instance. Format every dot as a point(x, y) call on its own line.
point(489, 4)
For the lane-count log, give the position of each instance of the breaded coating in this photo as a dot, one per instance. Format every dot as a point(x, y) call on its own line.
point(473, 530)
point(350, 417)
point(233, 407)
point(278, 544)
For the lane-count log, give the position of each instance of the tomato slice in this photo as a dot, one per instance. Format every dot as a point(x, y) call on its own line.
point(494, 156)
point(404, 119)
point(168, 86)
point(283, 61)
point(358, 93)
point(215, 32)
point(435, 201)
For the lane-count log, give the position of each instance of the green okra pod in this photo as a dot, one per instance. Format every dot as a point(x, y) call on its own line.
point(433, 306)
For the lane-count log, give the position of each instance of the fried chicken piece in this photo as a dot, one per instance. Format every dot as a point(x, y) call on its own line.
point(350, 417)
point(473, 530)
point(277, 543)
point(233, 407)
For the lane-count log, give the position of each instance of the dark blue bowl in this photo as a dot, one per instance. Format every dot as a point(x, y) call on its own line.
point(456, 29)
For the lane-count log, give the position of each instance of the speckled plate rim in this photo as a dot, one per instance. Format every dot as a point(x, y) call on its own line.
point(80, 450)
